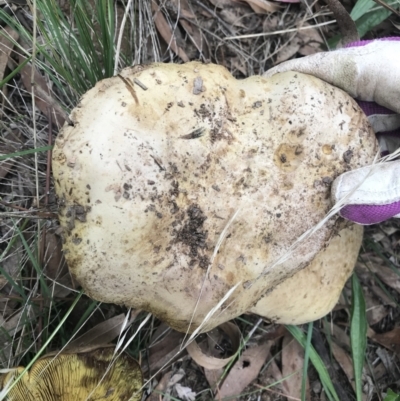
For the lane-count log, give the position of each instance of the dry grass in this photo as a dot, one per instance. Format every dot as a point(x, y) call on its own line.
point(36, 291)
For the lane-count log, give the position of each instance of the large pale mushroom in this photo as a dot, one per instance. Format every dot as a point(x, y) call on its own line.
point(177, 182)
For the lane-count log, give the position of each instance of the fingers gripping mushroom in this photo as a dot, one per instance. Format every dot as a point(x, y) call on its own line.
point(178, 182)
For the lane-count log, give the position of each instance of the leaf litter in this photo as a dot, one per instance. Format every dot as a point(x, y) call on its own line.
point(268, 367)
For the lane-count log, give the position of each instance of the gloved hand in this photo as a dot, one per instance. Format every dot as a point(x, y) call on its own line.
point(370, 72)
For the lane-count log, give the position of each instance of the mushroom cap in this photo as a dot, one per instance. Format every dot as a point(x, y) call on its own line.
point(312, 292)
point(88, 375)
point(171, 196)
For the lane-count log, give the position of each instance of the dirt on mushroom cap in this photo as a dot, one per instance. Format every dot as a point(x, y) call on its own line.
point(149, 182)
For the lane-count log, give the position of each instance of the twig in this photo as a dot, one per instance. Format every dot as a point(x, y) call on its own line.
point(280, 32)
point(388, 7)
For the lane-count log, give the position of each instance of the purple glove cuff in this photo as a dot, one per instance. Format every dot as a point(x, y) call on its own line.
point(359, 43)
point(370, 214)
point(370, 108)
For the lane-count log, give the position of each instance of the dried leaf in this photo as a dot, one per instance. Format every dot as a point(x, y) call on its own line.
point(238, 64)
point(223, 3)
point(7, 36)
point(160, 388)
point(204, 359)
point(166, 32)
point(196, 37)
point(288, 50)
point(388, 276)
point(384, 298)
point(263, 6)
point(11, 264)
point(194, 33)
point(103, 333)
point(390, 339)
point(182, 7)
point(245, 370)
point(231, 18)
point(11, 142)
point(43, 99)
point(375, 310)
point(292, 367)
point(387, 359)
point(165, 351)
point(345, 362)
point(338, 334)
point(312, 40)
point(53, 258)
point(213, 376)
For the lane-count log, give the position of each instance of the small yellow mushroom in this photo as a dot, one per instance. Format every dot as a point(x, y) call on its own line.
point(86, 376)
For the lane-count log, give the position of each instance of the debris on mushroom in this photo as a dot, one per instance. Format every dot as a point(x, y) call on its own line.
point(172, 196)
point(92, 375)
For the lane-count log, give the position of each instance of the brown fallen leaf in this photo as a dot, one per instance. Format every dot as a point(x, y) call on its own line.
point(288, 50)
point(385, 273)
point(263, 6)
point(184, 9)
point(11, 142)
point(341, 337)
point(213, 377)
point(196, 37)
point(345, 362)
point(194, 33)
point(53, 259)
point(292, 368)
point(102, 333)
point(43, 99)
point(245, 370)
point(312, 40)
point(229, 16)
point(222, 3)
point(271, 380)
point(390, 339)
point(7, 38)
point(166, 32)
point(165, 351)
point(375, 310)
point(382, 295)
point(160, 388)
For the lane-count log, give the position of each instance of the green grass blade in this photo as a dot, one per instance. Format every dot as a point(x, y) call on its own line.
point(25, 152)
point(358, 334)
point(34, 260)
point(360, 8)
point(392, 396)
point(306, 359)
point(371, 20)
point(316, 361)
